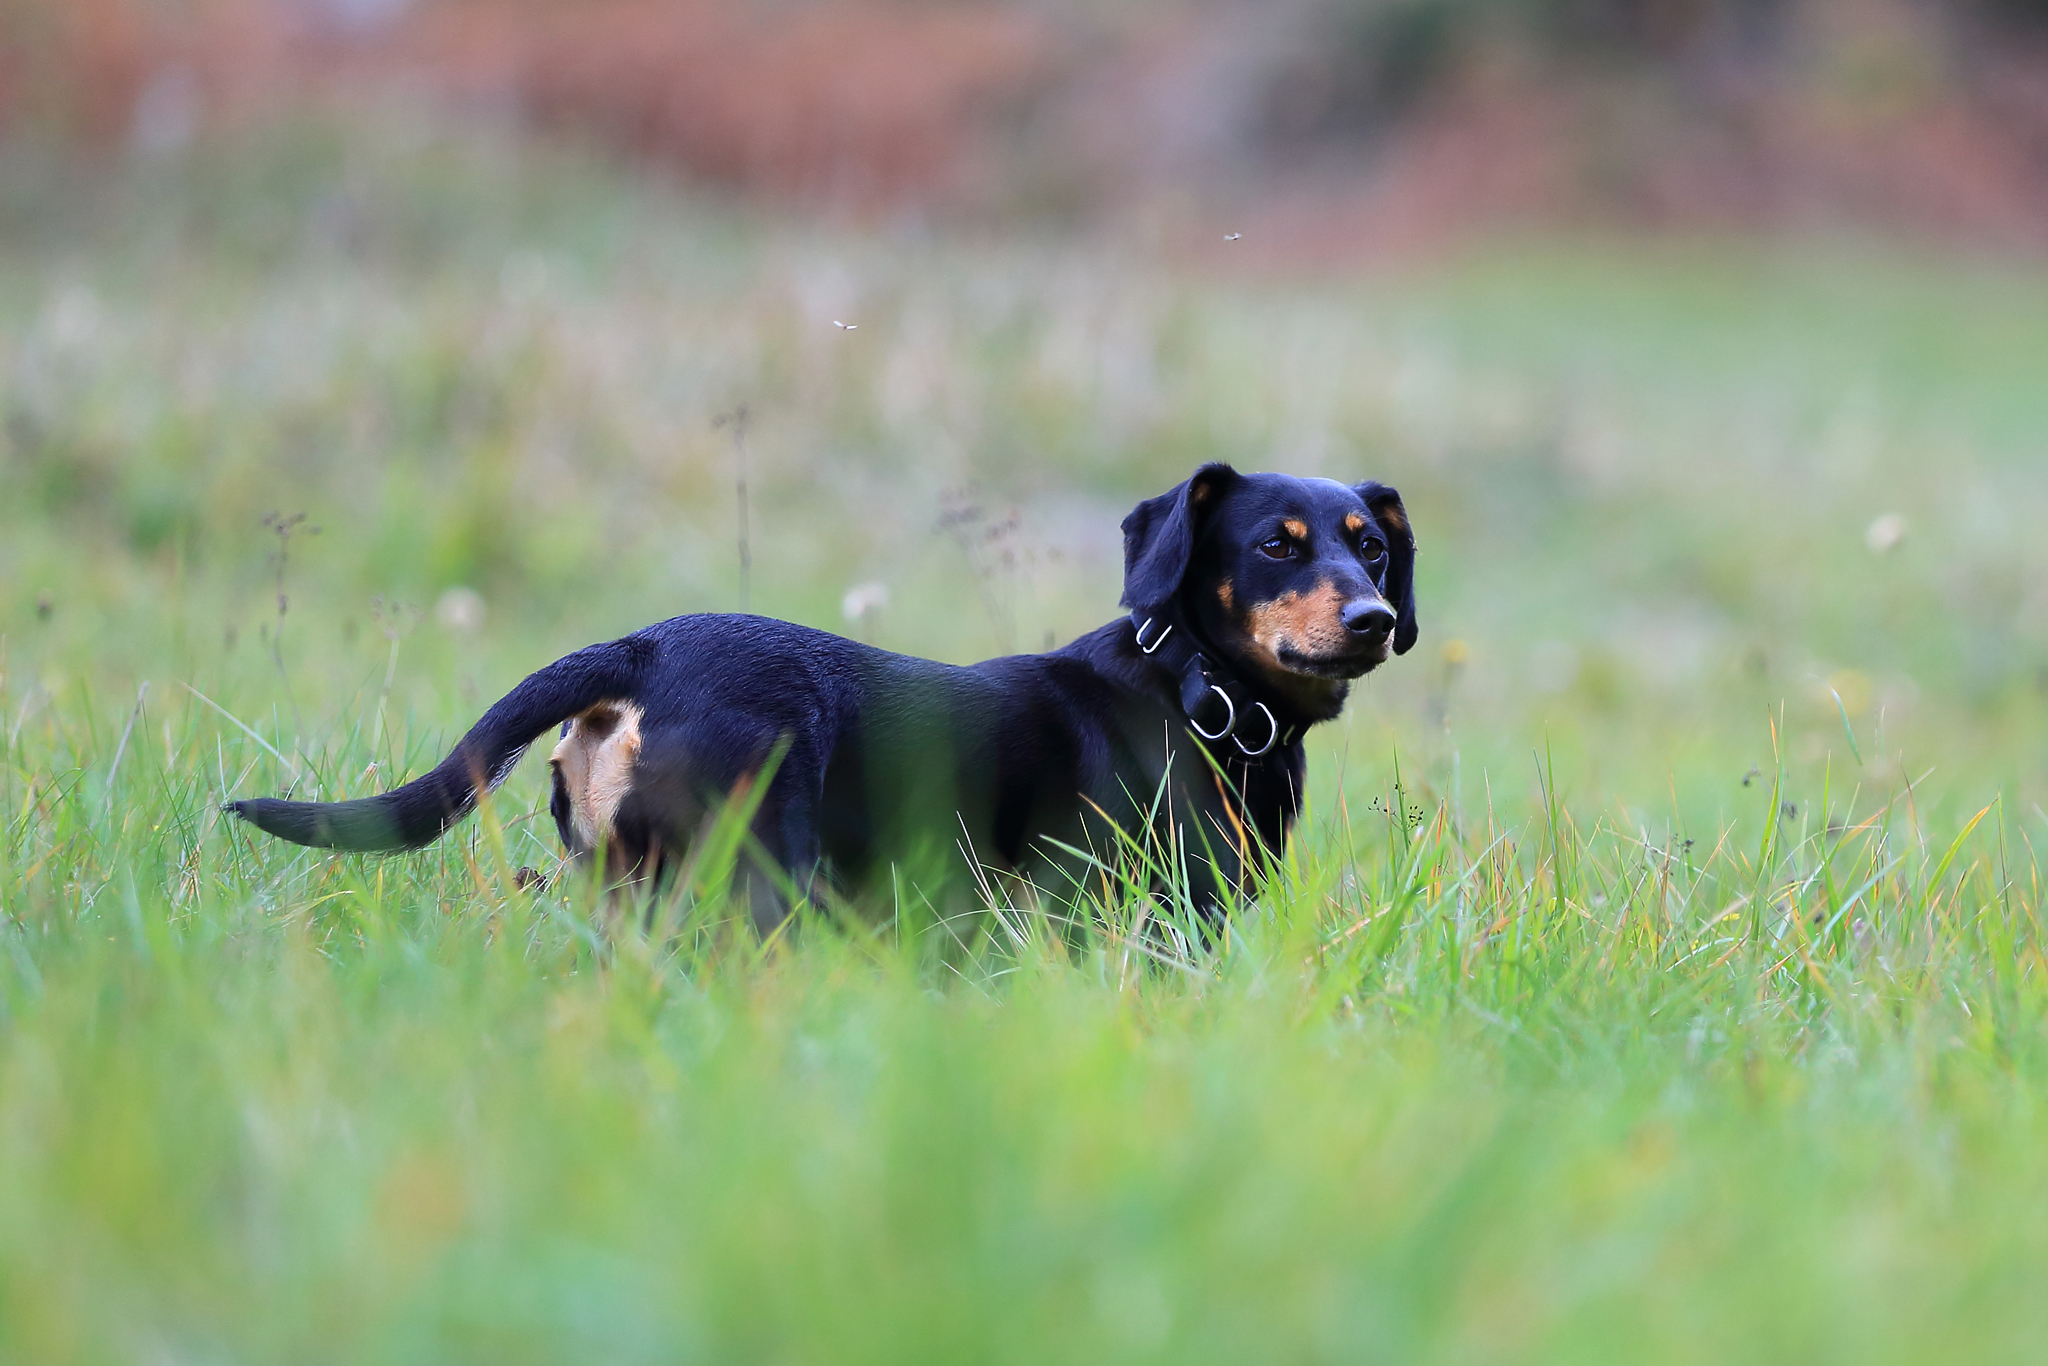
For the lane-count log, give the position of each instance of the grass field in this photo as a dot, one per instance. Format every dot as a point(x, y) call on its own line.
point(1657, 977)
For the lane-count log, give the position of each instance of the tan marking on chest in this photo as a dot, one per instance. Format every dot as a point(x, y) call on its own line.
point(595, 761)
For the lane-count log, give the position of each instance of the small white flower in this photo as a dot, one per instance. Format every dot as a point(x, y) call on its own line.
point(862, 599)
point(845, 327)
point(460, 609)
point(1885, 534)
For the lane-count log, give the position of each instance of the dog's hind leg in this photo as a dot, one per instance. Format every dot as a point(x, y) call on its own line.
point(783, 864)
point(682, 777)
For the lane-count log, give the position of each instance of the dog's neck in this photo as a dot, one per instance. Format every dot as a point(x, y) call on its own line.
point(1226, 706)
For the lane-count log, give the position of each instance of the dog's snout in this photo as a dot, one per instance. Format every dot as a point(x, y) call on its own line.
point(1368, 617)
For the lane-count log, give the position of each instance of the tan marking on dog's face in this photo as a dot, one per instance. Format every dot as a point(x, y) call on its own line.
point(1295, 528)
point(1226, 594)
point(1354, 522)
point(1309, 623)
point(595, 761)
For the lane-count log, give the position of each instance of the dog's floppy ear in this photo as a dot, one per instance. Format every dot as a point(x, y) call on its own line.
point(1159, 536)
point(1385, 506)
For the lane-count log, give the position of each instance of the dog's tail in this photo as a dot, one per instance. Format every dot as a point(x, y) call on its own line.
point(422, 810)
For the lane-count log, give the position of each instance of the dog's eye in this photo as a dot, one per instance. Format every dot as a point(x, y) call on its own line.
point(1372, 550)
point(1276, 549)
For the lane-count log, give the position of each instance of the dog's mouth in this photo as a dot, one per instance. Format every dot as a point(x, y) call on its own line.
point(1350, 665)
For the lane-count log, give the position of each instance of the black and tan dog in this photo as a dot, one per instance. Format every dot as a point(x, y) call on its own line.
point(1255, 600)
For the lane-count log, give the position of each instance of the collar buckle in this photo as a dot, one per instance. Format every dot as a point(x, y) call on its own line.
point(1147, 624)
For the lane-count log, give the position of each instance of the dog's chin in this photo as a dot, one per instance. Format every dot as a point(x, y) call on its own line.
point(1336, 668)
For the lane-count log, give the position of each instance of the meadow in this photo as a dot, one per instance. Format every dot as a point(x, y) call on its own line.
point(1657, 975)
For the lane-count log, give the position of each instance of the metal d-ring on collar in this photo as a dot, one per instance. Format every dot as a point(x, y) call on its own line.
point(1272, 734)
point(1229, 717)
point(1143, 626)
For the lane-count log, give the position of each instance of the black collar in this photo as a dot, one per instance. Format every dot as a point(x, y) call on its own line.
point(1217, 703)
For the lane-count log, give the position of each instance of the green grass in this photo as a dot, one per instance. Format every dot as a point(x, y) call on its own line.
point(1684, 1001)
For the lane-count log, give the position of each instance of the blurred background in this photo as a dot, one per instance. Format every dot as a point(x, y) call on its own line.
point(1326, 128)
point(1708, 340)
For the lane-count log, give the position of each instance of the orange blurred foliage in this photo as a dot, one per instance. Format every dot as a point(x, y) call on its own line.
point(78, 69)
point(850, 99)
point(1892, 115)
point(859, 100)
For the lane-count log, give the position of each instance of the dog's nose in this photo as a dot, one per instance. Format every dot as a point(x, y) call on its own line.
point(1368, 617)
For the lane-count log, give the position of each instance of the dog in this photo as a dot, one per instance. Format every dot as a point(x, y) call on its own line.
point(1254, 602)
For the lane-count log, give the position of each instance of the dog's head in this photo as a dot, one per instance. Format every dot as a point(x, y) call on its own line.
point(1304, 584)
